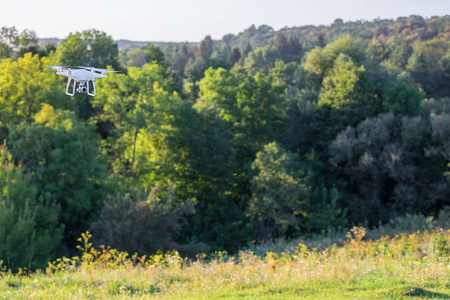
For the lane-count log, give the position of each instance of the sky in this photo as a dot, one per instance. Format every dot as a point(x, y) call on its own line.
point(192, 20)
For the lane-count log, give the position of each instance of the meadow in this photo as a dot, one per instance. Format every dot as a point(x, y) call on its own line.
point(361, 264)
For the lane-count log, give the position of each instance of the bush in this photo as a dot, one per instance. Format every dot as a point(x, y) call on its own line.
point(144, 225)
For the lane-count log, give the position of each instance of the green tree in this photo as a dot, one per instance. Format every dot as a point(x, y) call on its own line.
point(155, 55)
point(402, 99)
point(218, 91)
point(261, 113)
point(255, 110)
point(25, 85)
point(401, 54)
point(9, 35)
point(136, 58)
point(279, 202)
point(219, 219)
point(131, 106)
point(432, 51)
point(234, 57)
point(389, 165)
point(339, 87)
point(26, 38)
point(379, 51)
point(89, 48)
point(290, 48)
point(205, 49)
point(61, 153)
point(348, 88)
point(320, 62)
point(180, 58)
point(5, 51)
point(262, 60)
point(29, 230)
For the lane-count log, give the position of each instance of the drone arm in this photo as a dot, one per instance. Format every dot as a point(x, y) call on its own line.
point(93, 85)
point(68, 85)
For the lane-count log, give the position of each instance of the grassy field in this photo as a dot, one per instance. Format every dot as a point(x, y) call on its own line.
point(414, 265)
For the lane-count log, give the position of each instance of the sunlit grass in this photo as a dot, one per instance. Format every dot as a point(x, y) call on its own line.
point(404, 266)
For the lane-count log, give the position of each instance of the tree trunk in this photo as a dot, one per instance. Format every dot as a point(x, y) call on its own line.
point(134, 148)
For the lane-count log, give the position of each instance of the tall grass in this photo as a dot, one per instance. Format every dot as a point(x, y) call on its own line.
point(405, 265)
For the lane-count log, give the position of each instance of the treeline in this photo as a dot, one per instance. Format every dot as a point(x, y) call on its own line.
point(210, 147)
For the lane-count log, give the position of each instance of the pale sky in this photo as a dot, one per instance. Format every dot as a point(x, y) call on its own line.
point(192, 20)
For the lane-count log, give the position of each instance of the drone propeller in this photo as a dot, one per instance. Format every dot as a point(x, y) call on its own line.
point(63, 68)
point(98, 70)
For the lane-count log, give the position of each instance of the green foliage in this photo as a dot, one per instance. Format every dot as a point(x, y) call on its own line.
point(261, 60)
point(155, 55)
point(15, 44)
point(140, 224)
point(441, 245)
point(290, 48)
point(386, 268)
point(130, 104)
point(134, 58)
point(430, 51)
point(284, 72)
point(280, 193)
point(326, 212)
point(402, 99)
point(5, 51)
point(255, 108)
point(88, 48)
point(321, 60)
point(205, 49)
point(379, 51)
point(261, 111)
point(316, 91)
point(318, 61)
point(29, 229)
point(234, 57)
point(179, 58)
point(61, 154)
point(9, 35)
point(349, 46)
point(21, 95)
point(218, 90)
point(338, 90)
point(387, 169)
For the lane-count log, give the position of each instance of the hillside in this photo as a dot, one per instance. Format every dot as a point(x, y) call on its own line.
point(408, 28)
point(210, 147)
point(398, 266)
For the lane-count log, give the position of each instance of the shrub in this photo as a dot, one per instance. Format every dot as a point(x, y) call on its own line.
point(144, 225)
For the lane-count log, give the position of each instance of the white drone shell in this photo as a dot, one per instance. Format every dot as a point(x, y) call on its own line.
point(82, 76)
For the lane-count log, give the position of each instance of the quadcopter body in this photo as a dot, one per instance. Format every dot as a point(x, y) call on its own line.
point(81, 76)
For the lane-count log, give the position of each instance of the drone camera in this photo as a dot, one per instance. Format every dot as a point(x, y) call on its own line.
point(82, 89)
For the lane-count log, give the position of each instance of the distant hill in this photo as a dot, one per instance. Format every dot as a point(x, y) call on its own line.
point(55, 41)
point(121, 44)
point(409, 29)
point(403, 28)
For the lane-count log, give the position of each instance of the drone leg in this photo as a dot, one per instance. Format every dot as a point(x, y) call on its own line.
point(93, 84)
point(68, 85)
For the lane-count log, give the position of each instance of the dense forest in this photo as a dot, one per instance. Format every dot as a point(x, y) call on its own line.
point(214, 145)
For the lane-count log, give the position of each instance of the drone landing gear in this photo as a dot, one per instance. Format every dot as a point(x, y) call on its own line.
point(93, 86)
point(68, 84)
point(82, 88)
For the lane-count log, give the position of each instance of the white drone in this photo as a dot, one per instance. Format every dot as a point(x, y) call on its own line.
point(82, 76)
